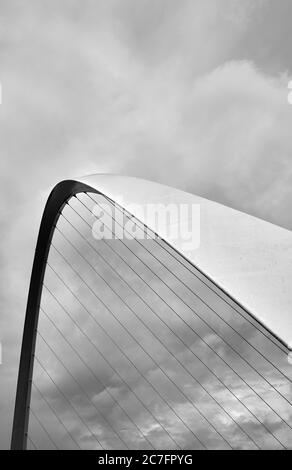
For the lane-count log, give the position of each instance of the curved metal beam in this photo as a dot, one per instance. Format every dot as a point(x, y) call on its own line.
point(61, 193)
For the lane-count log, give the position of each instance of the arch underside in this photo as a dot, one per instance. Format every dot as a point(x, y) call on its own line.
point(171, 360)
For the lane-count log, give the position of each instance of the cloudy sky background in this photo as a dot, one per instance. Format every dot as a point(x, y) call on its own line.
point(188, 93)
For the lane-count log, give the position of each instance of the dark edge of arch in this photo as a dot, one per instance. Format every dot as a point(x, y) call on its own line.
point(58, 197)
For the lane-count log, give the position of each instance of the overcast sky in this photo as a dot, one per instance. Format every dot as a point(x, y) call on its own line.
point(191, 93)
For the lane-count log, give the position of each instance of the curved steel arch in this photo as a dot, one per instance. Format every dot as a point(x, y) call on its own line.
point(60, 194)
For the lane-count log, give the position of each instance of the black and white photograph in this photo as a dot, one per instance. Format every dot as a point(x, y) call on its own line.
point(146, 228)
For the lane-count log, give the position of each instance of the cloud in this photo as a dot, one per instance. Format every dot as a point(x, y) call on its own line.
point(227, 138)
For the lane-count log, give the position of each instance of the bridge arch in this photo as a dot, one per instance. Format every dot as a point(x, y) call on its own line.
point(61, 194)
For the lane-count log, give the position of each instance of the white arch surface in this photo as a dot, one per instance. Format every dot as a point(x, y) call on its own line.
point(249, 258)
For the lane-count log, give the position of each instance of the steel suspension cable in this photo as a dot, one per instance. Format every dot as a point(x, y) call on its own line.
point(55, 414)
point(32, 443)
point(68, 401)
point(72, 376)
point(43, 428)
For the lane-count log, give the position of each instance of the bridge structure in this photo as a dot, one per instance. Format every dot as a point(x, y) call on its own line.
point(155, 319)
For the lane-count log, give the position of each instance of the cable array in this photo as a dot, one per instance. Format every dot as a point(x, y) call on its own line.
point(153, 370)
